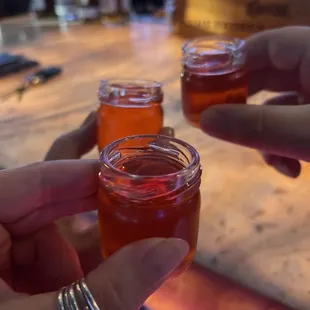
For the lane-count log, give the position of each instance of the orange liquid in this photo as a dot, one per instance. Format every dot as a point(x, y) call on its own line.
point(119, 121)
point(123, 221)
point(202, 90)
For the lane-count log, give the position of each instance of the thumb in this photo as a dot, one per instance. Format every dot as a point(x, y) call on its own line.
point(274, 129)
point(76, 143)
point(86, 135)
point(125, 280)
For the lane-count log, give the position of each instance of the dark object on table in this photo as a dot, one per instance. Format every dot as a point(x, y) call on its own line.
point(40, 77)
point(14, 63)
point(147, 7)
point(7, 59)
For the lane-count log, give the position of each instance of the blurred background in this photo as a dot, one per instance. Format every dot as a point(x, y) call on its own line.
point(90, 8)
point(21, 20)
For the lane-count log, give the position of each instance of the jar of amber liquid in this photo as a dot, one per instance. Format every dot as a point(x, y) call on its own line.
point(149, 187)
point(128, 107)
point(213, 72)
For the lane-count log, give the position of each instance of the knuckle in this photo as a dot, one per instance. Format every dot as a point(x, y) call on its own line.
point(256, 127)
point(126, 291)
point(260, 125)
point(116, 297)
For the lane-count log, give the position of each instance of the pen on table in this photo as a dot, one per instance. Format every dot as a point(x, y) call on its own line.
point(37, 78)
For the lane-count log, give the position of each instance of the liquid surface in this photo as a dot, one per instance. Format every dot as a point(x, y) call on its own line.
point(202, 90)
point(123, 221)
point(119, 121)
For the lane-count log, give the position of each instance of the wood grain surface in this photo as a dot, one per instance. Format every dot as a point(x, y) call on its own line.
point(254, 222)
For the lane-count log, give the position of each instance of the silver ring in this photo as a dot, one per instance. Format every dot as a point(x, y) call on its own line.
point(76, 296)
point(61, 304)
point(89, 297)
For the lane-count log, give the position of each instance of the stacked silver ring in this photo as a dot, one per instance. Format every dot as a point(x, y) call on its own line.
point(76, 296)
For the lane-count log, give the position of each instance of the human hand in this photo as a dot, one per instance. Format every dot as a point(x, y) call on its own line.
point(80, 141)
point(278, 60)
point(34, 258)
point(75, 144)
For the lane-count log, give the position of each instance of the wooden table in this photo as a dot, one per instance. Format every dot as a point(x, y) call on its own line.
point(254, 222)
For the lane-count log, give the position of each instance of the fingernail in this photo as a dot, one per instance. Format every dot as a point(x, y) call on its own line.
point(284, 169)
point(167, 131)
point(289, 98)
point(165, 256)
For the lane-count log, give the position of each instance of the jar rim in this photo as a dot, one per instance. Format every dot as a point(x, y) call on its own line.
point(189, 46)
point(141, 92)
point(193, 164)
point(130, 81)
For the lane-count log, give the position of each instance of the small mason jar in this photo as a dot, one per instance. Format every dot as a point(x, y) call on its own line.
point(128, 107)
point(213, 72)
point(149, 187)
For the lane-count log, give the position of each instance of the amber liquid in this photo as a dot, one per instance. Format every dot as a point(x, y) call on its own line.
point(119, 121)
point(123, 221)
point(202, 90)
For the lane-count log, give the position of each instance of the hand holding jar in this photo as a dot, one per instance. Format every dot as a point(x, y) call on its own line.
point(149, 187)
point(213, 72)
point(41, 270)
point(277, 60)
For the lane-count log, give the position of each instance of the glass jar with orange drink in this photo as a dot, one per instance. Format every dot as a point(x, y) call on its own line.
point(128, 107)
point(149, 187)
point(213, 72)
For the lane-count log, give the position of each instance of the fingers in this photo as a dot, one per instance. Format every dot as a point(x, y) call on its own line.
point(287, 166)
point(43, 216)
point(43, 262)
point(86, 137)
point(281, 48)
point(86, 243)
point(76, 143)
point(128, 278)
point(273, 80)
point(286, 51)
point(285, 99)
point(167, 131)
point(89, 120)
point(48, 190)
point(125, 280)
point(279, 130)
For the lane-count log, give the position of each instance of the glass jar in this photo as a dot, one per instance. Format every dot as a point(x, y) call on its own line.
point(213, 72)
point(149, 187)
point(128, 107)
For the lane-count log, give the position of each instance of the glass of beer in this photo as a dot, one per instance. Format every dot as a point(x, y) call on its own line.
point(128, 107)
point(213, 72)
point(149, 187)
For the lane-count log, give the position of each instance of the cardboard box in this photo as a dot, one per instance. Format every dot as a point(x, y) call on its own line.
point(240, 17)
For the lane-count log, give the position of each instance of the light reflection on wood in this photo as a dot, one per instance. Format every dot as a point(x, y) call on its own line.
point(199, 289)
